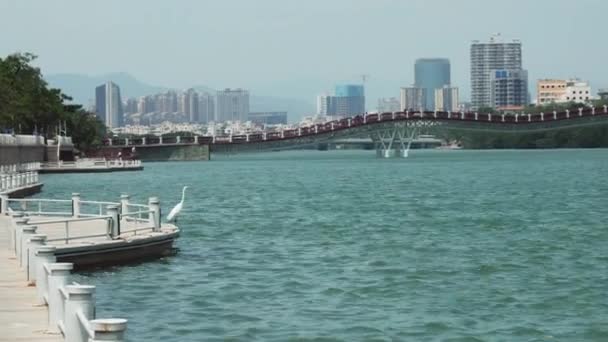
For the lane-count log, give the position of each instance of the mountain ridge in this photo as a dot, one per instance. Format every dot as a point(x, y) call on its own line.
point(81, 88)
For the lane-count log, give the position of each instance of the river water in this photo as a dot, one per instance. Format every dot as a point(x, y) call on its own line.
point(341, 246)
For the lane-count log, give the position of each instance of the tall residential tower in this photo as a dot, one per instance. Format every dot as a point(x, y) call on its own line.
point(349, 100)
point(431, 74)
point(108, 105)
point(232, 105)
point(488, 58)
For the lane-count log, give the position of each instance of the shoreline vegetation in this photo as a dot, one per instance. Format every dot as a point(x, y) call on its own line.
point(29, 106)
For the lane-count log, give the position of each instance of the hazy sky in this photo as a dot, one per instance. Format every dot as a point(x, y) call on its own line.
point(301, 48)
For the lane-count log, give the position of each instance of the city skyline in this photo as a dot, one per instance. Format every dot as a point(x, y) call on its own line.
point(281, 63)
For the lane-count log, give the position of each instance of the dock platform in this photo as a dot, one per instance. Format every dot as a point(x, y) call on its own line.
point(92, 166)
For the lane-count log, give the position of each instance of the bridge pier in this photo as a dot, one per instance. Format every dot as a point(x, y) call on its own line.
point(394, 142)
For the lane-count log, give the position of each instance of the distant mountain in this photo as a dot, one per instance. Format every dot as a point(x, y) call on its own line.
point(82, 89)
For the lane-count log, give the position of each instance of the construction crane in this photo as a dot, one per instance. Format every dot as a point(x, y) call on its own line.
point(364, 78)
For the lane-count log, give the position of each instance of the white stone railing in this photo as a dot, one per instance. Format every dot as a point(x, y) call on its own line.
point(12, 168)
point(71, 306)
point(124, 163)
point(22, 140)
point(93, 163)
point(116, 217)
point(13, 181)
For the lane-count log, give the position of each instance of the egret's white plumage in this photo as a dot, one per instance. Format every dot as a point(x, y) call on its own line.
point(175, 211)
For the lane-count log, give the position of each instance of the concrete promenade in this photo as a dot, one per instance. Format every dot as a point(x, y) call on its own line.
point(127, 232)
point(20, 318)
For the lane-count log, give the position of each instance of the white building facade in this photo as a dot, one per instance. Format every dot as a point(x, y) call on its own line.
point(232, 105)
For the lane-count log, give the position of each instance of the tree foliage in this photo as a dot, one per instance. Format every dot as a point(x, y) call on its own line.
point(584, 137)
point(29, 106)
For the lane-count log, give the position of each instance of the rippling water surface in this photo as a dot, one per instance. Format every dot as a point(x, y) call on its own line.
point(341, 246)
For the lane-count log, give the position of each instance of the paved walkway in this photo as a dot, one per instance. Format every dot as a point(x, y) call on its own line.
point(20, 318)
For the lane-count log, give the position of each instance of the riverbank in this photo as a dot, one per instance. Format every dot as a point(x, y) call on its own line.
point(48, 245)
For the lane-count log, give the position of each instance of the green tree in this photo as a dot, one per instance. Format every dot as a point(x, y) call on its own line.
point(28, 105)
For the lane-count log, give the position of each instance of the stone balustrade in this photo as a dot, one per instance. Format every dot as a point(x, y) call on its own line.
point(71, 306)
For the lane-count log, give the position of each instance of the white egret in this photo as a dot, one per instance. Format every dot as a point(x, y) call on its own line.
point(175, 211)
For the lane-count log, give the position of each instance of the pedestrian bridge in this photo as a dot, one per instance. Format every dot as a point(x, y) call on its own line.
point(393, 132)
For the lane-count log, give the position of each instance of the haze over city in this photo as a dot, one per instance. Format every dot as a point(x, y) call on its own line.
point(297, 49)
point(291, 170)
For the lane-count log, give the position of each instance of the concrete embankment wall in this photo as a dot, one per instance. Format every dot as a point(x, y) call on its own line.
point(17, 149)
point(17, 154)
point(174, 153)
point(160, 152)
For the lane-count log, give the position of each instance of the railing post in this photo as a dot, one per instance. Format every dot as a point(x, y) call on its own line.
point(110, 329)
point(154, 204)
point(3, 200)
point(19, 224)
point(57, 278)
point(112, 210)
point(36, 241)
point(79, 302)
point(44, 255)
point(75, 205)
point(26, 233)
point(124, 203)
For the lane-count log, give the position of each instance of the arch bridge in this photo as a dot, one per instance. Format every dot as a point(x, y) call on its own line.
point(393, 132)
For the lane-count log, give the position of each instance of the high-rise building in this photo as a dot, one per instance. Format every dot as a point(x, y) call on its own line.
point(108, 105)
point(326, 105)
point(100, 102)
point(232, 105)
point(349, 100)
point(603, 94)
point(388, 104)
point(509, 89)
point(130, 105)
point(446, 99)
point(486, 58)
point(189, 100)
point(142, 105)
point(413, 98)
point(206, 108)
point(167, 102)
point(431, 74)
point(268, 118)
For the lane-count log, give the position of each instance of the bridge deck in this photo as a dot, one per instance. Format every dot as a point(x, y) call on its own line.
point(364, 124)
point(20, 318)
